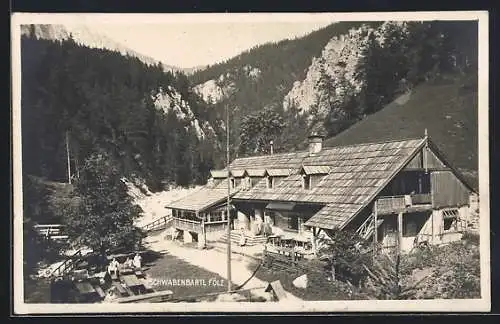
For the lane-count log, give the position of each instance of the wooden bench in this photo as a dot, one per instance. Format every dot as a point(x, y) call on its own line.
point(139, 273)
point(158, 297)
point(126, 271)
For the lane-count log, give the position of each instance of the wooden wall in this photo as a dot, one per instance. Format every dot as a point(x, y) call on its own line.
point(433, 161)
point(447, 190)
point(416, 162)
point(425, 158)
point(254, 180)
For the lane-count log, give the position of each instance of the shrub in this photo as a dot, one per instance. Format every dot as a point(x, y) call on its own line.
point(454, 270)
point(471, 237)
point(345, 254)
point(388, 280)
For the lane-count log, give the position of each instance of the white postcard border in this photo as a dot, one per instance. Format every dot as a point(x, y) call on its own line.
point(454, 305)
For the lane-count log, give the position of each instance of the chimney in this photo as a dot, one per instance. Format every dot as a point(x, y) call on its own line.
point(315, 143)
point(271, 143)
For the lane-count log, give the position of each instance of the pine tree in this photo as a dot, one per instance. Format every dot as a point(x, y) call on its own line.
point(104, 218)
point(369, 72)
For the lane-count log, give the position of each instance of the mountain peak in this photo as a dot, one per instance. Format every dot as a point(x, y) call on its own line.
point(83, 35)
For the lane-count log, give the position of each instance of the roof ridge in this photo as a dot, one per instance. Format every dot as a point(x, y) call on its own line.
point(333, 147)
point(374, 143)
point(267, 155)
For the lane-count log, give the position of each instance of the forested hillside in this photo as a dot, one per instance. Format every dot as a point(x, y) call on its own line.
point(331, 79)
point(77, 101)
point(447, 108)
point(168, 128)
point(259, 78)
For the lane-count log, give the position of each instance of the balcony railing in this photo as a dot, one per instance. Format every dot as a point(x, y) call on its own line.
point(158, 224)
point(187, 224)
point(401, 203)
point(215, 226)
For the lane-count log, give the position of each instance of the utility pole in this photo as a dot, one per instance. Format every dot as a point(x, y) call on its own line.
point(228, 204)
point(67, 154)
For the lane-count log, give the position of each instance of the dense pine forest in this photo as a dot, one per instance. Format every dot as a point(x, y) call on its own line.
point(77, 101)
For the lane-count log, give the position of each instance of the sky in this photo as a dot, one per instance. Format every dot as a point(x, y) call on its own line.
point(187, 45)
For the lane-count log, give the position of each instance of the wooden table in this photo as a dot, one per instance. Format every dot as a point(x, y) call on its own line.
point(132, 281)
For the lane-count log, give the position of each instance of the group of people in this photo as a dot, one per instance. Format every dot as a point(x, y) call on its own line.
point(135, 263)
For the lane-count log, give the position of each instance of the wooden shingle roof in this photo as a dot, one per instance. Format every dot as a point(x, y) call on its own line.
point(351, 177)
point(316, 169)
point(238, 173)
point(278, 172)
point(356, 174)
point(256, 172)
point(199, 201)
point(218, 174)
point(275, 161)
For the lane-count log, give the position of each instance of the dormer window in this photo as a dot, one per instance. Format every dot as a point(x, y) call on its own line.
point(270, 182)
point(306, 182)
point(312, 175)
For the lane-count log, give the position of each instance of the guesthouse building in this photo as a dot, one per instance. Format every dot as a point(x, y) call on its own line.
point(399, 193)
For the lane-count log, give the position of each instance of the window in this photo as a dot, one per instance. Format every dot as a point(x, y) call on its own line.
point(450, 224)
point(410, 228)
point(216, 216)
point(269, 217)
point(293, 223)
point(270, 182)
point(450, 219)
point(414, 222)
point(307, 182)
point(245, 183)
point(232, 183)
point(254, 181)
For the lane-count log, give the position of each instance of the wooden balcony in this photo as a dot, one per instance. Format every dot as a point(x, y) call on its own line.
point(187, 225)
point(404, 203)
point(215, 226)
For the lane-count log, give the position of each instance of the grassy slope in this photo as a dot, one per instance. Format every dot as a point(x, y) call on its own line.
point(447, 108)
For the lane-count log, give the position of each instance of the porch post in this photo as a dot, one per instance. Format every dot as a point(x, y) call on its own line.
point(314, 241)
point(201, 236)
point(433, 233)
point(375, 229)
point(400, 231)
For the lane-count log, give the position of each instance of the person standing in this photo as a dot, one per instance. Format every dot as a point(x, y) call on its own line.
point(137, 262)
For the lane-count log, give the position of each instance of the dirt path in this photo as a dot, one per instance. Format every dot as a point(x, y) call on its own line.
point(211, 260)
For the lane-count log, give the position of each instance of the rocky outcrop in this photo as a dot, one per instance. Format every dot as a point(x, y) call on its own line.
point(214, 91)
point(337, 64)
point(169, 99)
